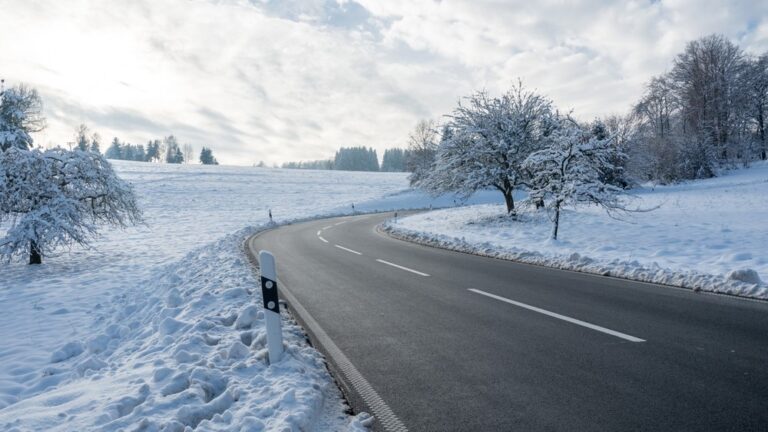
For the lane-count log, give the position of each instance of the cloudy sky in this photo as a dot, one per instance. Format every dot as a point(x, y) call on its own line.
point(295, 80)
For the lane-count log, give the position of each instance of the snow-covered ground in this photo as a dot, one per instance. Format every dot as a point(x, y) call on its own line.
point(710, 235)
point(154, 327)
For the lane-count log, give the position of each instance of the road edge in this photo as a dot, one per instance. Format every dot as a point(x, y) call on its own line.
point(358, 392)
point(396, 234)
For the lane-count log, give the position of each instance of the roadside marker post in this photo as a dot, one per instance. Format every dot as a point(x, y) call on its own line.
point(271, 306)
point(395, 217)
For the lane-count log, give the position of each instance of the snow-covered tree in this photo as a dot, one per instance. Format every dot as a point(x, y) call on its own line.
point(153, 151)
point(490, 139)
point(138, 153)
point(21, 114)
point(115, 150)
point(58, 198)
point(572, 170)
point(128, 152)
point(95, 143)
point(617, 175)
point(82, 142)
point(173, 154)
point(207, 158)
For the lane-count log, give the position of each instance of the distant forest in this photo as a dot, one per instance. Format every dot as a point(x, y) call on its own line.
point(357, 159)
point(167, 150)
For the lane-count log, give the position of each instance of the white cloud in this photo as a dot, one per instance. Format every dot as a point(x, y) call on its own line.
point(295, 80)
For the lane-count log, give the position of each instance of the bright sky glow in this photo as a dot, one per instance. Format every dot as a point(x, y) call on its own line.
point(295, 80)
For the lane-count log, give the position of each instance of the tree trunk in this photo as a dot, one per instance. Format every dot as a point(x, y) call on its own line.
point(510, 201)
point(34, 253)
point(557, 221)
point(761, 128)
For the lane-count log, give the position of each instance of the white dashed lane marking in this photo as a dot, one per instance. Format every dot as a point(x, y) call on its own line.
point(402, 267)
point(348, 250)
point(560, 317)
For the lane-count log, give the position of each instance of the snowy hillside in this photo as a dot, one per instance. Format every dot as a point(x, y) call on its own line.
point(152, 327)
point(704, 235)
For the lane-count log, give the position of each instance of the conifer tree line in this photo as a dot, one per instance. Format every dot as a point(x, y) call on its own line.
point(394, 160)
point(356, 159)
point(322, 164)
point(166, 150)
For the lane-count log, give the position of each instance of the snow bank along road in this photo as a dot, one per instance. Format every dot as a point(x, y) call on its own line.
point(450, 341)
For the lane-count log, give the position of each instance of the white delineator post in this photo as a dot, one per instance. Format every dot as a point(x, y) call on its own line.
point(272, 306)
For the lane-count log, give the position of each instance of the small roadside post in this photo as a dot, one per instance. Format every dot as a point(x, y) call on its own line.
point(270, 215)
point(272, 306)
point(395, 217)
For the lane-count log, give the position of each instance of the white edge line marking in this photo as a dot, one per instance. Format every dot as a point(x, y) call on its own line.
point(339, 223)
point(381, 411)
point(319, 232)
point(402, 268)
point(562, 317)
point(327, 227)
point(348, 250)
point(321, 238)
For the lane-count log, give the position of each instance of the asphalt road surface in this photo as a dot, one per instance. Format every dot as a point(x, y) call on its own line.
point(451, 341)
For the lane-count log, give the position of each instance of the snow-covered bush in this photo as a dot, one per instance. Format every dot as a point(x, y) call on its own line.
point(571, 170)
point(57, 198)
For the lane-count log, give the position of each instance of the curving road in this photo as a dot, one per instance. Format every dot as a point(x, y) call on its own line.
point(449, 341)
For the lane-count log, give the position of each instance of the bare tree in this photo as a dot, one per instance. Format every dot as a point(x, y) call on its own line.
point(708, 77)
point(422, 147)
point(657, 106)
point(758, 100)
point(82, 142)
point(186, 148)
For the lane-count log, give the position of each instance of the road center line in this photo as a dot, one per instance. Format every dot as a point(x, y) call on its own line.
point(339, 223)
point(561, 317)
point(319, 232)
point(321, 238)
point(402, 268)
point(327, 227)
point(348, 250)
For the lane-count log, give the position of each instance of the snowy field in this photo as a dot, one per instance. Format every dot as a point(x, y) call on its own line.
point(706, 235)
point(153, 328)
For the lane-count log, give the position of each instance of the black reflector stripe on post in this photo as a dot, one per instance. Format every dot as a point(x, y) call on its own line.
point(269, 294)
